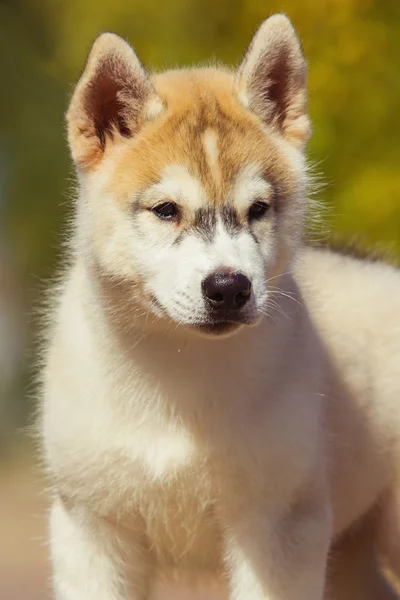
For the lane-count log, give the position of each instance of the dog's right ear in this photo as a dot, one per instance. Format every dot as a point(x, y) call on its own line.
point(272, 80)
point(112, 99)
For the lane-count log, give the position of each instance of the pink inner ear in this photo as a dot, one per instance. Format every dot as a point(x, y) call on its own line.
point(271, 82)
point(112, 99)
point(276, 84)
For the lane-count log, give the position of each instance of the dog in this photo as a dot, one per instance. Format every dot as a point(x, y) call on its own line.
point(217, 397)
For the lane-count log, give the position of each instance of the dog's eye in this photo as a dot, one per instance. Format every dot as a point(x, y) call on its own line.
point(166, 210)
point(258, 210)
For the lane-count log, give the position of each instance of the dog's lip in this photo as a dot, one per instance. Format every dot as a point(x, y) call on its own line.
point(237, 317)
point(221, 318)
point(217, 327)
point(221, 324)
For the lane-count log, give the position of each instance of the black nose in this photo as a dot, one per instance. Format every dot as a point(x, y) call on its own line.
point(226, 291)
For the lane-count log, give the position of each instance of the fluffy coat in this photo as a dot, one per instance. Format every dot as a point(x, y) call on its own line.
point(246, 444)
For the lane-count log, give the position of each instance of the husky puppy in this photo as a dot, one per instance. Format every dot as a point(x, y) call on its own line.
point(217, 398)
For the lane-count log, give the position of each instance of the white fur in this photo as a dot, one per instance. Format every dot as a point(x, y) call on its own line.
point(179, 185)
point(251, 186)
point(169, 424)
point(210, 141)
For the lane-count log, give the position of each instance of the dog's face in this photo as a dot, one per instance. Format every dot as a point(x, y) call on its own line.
point(193, 181)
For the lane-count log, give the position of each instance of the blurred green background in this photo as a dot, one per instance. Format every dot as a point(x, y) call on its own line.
point(353, 47)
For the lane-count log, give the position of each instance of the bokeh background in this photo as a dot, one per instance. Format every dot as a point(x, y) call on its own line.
point(353, 47)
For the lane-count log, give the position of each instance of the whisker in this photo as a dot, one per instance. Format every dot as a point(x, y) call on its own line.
point(286, 295)
point(279, 275)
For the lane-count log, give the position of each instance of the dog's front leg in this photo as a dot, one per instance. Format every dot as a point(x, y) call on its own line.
point(276, 556)
point(91, 560)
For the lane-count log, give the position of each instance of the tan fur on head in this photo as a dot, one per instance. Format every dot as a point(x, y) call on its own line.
point(115, 94)
point(272, 80)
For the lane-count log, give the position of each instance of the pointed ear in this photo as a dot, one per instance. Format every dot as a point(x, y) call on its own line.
point(272, 80)
point(111, 100)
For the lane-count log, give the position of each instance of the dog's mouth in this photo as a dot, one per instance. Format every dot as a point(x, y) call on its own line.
point(218, 328)
point(213, 322)
point(219, 325)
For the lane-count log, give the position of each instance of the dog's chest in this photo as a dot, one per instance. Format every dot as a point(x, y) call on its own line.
point(179, 517)
point(163, 451)
point(177, 503)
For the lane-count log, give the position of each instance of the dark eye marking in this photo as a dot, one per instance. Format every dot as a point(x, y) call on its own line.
point(205, 222)
point(167, 211)
point(258, 209)
point(230, 219)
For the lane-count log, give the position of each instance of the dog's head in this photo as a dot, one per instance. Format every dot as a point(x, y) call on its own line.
point(193, 181)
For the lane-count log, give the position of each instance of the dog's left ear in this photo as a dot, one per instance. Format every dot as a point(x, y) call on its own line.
point(272, 80)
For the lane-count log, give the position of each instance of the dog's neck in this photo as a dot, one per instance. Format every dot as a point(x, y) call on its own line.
point(183, 375)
